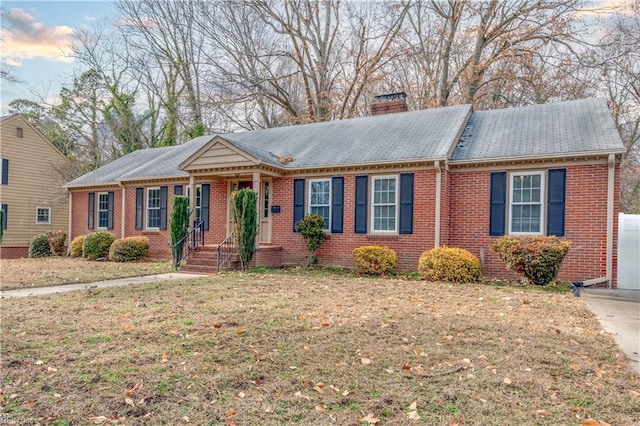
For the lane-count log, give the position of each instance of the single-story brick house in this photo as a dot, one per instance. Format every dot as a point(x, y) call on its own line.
point(408, 180)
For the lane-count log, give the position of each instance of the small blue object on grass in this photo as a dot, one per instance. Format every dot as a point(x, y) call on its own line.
point(575, 290)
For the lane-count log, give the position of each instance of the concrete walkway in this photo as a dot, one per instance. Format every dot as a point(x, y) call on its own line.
point(39, 291)
point(619, 314)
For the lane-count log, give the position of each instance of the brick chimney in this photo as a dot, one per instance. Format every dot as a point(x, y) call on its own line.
point(389, 103)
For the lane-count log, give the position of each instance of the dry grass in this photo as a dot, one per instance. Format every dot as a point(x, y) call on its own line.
point(311, 348)
point(47, 271)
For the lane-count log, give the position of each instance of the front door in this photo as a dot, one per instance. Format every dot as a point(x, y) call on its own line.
point(264, 207)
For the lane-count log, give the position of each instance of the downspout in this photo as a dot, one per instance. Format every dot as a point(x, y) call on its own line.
point(610, 218)
point(436, 234)
point(70, 222)
point(123, 211)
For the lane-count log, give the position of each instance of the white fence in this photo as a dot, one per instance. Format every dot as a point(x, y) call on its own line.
point(629, 251)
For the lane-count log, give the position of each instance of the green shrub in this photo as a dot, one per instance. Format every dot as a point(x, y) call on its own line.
point(97, 244)
point(128, 249)
point(57, 241)
point(76, 246)
point(449, 264)
point(538, 259)
point(245, 224)
point(39, 246)
point(311, 227)
point(374, 260)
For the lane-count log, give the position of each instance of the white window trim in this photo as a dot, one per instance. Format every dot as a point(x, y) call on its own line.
point(48, 222)
point(327, 225)
point(372, 205)
point(98, 210)
point(147, 208)
point(543, 192)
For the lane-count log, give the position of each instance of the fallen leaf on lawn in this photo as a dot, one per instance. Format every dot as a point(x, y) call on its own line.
point(165, 358)
point(293, 367)
point(302, 396)
point(574, 367)
point(242, 395)
point(186, 419)
point(577, 409)
point(52, 369)
point(406, 367)
point(39, 362)
point(129, 401)
point(413, 415)
point(230, 413)
point(57, 395)
point(320, 408)
point(318, 387)
point(346, 393)
point(239, 331)
point(324, 324)
point(413, 406)
point(507, 381)
point(230, 422)
point(589, 422)
point(370, 419)
point(98, 420)
point(24, 333)
point(128, 327)
point(543, 413)
point(454, 423)
point(134, 389)
point(634, 393)
point(260, 357)
point(365, 361)
point(217, 325)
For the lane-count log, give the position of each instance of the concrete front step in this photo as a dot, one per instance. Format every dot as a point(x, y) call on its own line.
point(198, 269)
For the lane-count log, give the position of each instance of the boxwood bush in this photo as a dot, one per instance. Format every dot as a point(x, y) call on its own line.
point(450, 264)
point(129, 249)
point(39, 246)
point(374, 260)
point(538, 259)
point(97, 244)
point(76, 246)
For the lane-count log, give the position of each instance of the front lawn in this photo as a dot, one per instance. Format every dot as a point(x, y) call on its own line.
point(311, 348)
point(48, 271)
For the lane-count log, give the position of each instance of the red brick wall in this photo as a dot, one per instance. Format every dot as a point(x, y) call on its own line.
point(585, 220)
point(13, 252)
point(337, 249)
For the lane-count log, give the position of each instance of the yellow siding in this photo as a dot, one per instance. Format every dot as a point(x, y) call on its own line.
point(219, 155)
point(34, 181)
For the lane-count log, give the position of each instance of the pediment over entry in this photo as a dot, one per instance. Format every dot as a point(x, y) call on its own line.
point(219, 153)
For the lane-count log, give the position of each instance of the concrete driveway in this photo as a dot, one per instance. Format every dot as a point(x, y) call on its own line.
point(619, 313)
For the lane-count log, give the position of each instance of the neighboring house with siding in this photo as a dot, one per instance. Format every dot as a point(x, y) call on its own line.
point(31, 193)
point(408, 180)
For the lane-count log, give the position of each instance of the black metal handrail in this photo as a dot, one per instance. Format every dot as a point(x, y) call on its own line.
point(225, 250)
point(183, 248)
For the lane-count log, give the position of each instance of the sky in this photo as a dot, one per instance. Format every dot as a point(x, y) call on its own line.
point(35, 42)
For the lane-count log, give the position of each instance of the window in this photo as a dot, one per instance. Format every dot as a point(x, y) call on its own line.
point(384, 206)
point(19, 132)
point(43, 215)
point(103, 210)
point(265, 206)
point(198, 201)
point(5, 171)
point(526, 203)
point(153, 208)
point(320, 199)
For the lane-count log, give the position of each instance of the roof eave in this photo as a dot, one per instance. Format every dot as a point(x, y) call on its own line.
point(577, 154)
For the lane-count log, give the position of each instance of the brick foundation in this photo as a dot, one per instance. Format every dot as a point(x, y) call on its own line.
point(13, 252)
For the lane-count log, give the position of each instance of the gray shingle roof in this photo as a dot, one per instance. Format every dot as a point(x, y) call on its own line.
point(425, 135)
point(563, 128)
point(560, 129)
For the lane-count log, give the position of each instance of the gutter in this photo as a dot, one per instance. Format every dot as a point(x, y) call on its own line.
point(70, 222)
point(436, 235)
point(556, 156)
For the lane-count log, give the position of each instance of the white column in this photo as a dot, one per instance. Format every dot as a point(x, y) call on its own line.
point(257, 188)
point(192, 200)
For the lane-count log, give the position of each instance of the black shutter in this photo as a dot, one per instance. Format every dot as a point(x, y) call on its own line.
point(497, 212)
point(360, 222)
point(139, 207)
point(204, 204)
point(110, 210)
point(556, 201)
point(5, 171)
point(5, 209)
point(163, 207)
point(298, 202)
point(406, 203)
point(177, 190)
point(337, 204)
point(91, 206)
